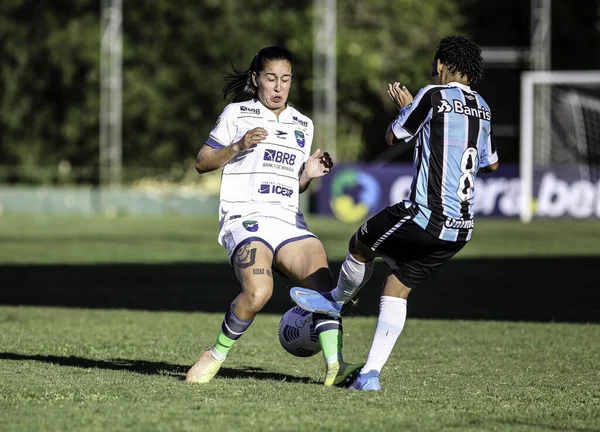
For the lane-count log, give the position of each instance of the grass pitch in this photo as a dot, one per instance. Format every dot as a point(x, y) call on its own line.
point(79, 240)
point(82, 370)
point(101, 370)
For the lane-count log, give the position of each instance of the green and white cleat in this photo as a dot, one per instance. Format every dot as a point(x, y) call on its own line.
point(342, 374)
point(205, 369)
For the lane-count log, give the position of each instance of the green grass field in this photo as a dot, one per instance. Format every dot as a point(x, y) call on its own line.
point(81, 370)
point(105, 370)
point(78, 240)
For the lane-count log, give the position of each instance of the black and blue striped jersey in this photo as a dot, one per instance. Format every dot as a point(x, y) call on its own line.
point(451, 125)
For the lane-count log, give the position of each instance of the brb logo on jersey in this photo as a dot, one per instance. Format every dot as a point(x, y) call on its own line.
point(279, 160)
point(267, 188)
point(255, 111)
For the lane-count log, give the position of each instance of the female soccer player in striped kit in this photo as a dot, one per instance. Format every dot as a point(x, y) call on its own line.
point(450, 125)
point(263, 145)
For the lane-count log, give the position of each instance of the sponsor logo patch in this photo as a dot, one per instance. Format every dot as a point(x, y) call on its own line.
point(460, 107)
point(267, 188)
point(300, 121)
point(255, 111)
point(459, 223)
point(279, 157)
point(445, 107)
point(250, 225)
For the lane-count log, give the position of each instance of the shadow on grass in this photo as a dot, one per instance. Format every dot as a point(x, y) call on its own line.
point(145, 367)
point(519, 289)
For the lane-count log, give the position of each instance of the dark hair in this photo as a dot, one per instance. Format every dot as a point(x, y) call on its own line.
point(462, 56)
point(239, 86)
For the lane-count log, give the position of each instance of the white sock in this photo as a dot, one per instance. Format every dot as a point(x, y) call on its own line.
point(353, 276)
point(392, 316)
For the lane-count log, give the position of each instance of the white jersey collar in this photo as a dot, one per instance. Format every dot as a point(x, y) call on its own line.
point(286, 110)
point(461, 86)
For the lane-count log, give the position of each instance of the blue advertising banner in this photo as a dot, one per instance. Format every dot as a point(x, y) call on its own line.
point(352, 193)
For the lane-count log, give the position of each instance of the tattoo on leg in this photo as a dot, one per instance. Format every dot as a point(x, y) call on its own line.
point(245, 256)
point(262, 271)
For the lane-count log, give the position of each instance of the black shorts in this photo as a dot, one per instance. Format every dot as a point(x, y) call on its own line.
point(410, 252)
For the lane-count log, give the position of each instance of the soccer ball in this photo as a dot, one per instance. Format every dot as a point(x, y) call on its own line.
point(297, 333)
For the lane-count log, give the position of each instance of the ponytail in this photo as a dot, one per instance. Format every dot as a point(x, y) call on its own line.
point(238, 84)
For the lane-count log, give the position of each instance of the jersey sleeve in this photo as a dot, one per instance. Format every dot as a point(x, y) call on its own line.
point(489, 155)
point(310, 132)
point(411, 118)
point(225, 129)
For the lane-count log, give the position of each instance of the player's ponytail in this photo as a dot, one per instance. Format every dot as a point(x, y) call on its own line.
point(239, 86)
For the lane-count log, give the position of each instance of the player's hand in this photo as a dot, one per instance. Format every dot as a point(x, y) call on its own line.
point(318, 164)
point(250, 139)
point(399, 94)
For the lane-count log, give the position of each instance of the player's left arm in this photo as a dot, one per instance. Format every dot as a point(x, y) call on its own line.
point(490, 168)
point(317, 165)
point(488, 160)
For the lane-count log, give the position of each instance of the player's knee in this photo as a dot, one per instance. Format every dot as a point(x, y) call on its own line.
point(257, 298)
point(359, 250)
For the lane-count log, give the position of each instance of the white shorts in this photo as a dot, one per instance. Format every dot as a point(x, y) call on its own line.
point(273, 232)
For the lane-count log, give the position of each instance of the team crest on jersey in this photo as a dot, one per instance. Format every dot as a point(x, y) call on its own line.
point(300, 138)
point(250, 225)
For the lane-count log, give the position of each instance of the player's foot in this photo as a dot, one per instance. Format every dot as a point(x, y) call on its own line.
point(366, 382)
point(314, 301)
point(341, 374)
point(205, 369)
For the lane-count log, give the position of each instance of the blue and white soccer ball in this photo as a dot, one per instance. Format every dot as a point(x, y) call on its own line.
point(297, 333)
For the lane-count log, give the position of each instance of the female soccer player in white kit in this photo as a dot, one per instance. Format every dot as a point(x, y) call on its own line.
point(264, 145)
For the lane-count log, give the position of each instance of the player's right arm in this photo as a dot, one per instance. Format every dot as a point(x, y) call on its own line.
point(402, 98)
point(219, 148)
point(413, 116)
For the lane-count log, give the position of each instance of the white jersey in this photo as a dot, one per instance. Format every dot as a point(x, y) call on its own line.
point(263, 180)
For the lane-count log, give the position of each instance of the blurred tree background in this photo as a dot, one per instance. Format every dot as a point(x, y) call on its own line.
point(174, 57)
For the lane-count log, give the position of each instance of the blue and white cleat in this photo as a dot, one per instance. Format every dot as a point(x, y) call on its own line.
point(366, 382)
point(314, 301)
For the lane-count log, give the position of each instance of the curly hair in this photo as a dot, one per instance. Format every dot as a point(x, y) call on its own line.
point(462, 56)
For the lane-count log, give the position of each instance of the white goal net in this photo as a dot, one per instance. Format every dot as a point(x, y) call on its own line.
point(560, 144)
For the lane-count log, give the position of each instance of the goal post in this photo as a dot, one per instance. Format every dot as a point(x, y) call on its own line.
point(560, 136)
